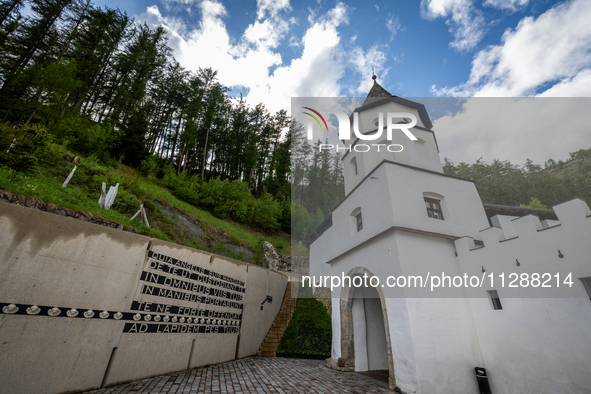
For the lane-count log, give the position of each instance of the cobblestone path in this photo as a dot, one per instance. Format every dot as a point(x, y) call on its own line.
point(255, 375)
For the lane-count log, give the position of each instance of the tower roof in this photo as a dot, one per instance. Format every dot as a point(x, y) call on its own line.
point(376, 93)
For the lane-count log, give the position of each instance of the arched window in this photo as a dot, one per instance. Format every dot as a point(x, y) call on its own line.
point(353, 164)
point(356, 221)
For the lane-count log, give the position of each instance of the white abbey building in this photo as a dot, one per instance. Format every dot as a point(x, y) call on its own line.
point(403, 216)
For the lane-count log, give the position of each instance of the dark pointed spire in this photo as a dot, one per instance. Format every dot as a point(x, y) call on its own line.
point(377, 92)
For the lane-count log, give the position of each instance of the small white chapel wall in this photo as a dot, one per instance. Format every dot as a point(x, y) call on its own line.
point(540, 341)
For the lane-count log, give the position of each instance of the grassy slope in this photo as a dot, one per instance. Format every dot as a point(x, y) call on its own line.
point(83, 193)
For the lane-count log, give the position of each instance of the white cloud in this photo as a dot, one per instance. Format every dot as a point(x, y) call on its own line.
point(337, 15)
point(267, 33)
point(211, 46)
point(465, 22)
point(174, 27)
point(577, 86)
point(393, 24)
point(271, 7)
point(317, 71)
point(172, 3)
point(554, 48)
point(515, 129)
point(294, 42)
point(510, 5)
point(363, 62)
point(247, 61)
point(185, 2)
point(212, 9)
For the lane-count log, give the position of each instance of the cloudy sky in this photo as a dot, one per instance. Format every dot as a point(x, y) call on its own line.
point(272, 50)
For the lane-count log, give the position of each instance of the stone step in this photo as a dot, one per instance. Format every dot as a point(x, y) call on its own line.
point(271, 342)
point(267, 354)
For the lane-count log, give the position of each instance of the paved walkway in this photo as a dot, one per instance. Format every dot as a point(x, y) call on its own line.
point(256, 375)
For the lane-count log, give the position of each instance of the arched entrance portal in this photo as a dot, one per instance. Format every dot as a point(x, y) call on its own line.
point(369, 333)
point(365, 337)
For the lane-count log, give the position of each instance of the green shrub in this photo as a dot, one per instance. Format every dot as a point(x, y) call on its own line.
point(227, 199)
point(96, 184)
point(126, 203)
point(150, 205)
point(310, 330)
point(212, 193)
point(89, 175)
point(5, 174)
point(286, 216)
point(168, 174)
point(534, 202)
point(245, 211)
point(22, 147)
point(154, 167)
point(301, 222)
point(185, 188)
point(93, 166)
point(85, 136)
point(149, 167)
point(267, 212)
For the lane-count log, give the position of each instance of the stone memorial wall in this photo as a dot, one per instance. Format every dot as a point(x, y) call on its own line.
point(85, 306)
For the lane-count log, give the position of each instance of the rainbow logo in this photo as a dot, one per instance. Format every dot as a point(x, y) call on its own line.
point(315, 118)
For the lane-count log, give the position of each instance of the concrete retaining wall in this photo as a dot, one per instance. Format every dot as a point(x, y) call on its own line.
point(126, 306)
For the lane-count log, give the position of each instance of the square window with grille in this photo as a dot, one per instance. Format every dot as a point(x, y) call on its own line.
point(495, 300)
point(359, 222)
point(433, 208)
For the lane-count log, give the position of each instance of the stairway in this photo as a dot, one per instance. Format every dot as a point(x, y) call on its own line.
point(271, 342)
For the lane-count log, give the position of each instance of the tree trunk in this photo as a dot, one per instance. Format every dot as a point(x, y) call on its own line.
point(204, 154)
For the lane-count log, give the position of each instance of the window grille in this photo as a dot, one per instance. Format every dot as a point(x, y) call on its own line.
point(434, 208)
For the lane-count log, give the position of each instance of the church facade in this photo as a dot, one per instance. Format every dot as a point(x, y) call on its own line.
point(402, 217)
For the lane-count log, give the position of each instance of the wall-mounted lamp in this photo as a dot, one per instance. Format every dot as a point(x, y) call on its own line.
point(517, 263)
point(483, 270)
point(268, 299)
point(560, 255)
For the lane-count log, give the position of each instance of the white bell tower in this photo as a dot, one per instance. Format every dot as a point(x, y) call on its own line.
point(399, 217)
point(423, 153)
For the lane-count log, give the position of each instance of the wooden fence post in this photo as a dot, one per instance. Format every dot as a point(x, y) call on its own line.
point(103, 197)
point(69, 177)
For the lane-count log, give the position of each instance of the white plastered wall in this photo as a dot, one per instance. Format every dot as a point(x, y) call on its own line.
point(535, 344)
point(434, 346)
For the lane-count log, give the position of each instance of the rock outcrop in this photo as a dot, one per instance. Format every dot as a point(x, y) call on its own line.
point(296, 265)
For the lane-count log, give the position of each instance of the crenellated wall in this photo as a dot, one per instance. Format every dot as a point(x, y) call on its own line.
point(85, 306)
point(528, 245)
point(540, 340)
